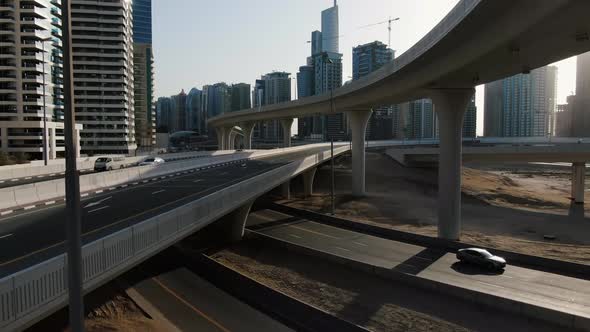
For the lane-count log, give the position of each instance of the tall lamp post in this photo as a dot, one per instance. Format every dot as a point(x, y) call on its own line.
point(45, 133)
point(72, 180)
point(332, 185)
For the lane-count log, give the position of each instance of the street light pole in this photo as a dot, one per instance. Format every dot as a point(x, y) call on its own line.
point(332, 174)
point(72, 180)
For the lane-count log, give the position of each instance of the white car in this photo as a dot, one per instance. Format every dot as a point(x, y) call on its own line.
point(482, 258)
point(151, 161)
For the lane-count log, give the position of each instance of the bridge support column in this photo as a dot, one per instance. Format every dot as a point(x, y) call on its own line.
point(286, 123)
point(230, 228)
point(450, 107)
point(286, 190)
point(227, 138)
point(248, 129)
point(221, 136)
point(358, 125)
point(232, 140)
point(578, 182)
point(308, 177)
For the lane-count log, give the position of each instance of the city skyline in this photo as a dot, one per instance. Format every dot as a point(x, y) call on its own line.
point(280, 51)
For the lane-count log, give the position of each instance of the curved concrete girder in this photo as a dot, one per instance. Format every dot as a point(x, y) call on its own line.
point(221, 137)
point(358, 121)
point(450, 107)
point(230, 228)
point(308, 177)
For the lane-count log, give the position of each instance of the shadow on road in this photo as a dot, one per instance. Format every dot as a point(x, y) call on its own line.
point(471, 269)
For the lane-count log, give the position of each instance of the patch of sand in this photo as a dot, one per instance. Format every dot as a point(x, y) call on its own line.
point(500, 209)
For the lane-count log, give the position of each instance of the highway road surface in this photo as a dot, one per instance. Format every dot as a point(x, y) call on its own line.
point(192, 304)
point(31, 236)
point(526, 285)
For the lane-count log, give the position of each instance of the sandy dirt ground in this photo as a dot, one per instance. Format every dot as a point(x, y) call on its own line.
point(108, 309)
point(511, 209)
point(364, 300)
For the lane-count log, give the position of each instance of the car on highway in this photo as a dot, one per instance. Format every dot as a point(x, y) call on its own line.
point(481, 257)
point(109, 163)
point(151, 161)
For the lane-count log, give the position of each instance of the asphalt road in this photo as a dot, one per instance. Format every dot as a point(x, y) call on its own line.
point(192, 304)
point(526, 285)
point(31, 236)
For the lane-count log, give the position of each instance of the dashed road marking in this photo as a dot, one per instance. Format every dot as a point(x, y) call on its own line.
point(84, 195)
point(100, 208)
point(158, 192)
point(360, 244)
point(343, 249)
point(295, 236)
point(50, 202)
point(314, 232)
point(5, 236)
point(30, 207)
point(99, 192)
point(3, 213)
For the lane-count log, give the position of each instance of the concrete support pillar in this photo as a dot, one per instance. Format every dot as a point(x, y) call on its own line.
point(52, 144)
point(230, 228)
point(248, 129)
point(308, 177)
point(286, 190)
point(231, 143)
point(287, 124)
point(578, 182)
point(450, 107)
point(358, 127)
point(221, 135)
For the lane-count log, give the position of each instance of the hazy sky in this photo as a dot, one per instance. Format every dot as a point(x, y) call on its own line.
point(199, 42)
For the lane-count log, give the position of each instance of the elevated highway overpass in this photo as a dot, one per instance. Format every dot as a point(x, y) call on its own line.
point(479, 41)
point(124, 226)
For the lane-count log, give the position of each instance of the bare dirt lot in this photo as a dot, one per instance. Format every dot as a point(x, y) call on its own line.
point(511, 209)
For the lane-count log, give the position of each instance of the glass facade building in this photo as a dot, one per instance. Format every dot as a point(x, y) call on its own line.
point(142, 21)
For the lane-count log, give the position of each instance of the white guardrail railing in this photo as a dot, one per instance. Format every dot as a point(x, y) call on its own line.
point(34, 293)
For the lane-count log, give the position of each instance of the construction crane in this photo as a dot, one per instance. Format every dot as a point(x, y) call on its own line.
point(389, 21)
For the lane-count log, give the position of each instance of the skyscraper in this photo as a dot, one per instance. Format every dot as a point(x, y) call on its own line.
point(240, 97)
point(272, 88)
point(31, 76)
point(218, 99)
point(194, 111)
point(581, 103)
point(522, 105)
point(143, 72)
point(305, 88)
point(102, 49)
point(164, 114)
point(178, 120)
point(366, 59)
point(369, 57)
point(330, 30)
point(470, 120)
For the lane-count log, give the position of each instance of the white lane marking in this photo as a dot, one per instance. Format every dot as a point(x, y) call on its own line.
point(84, 195)
point(50, 202)
point(52, 174)
point(343, 249)
point(145, 181)
point(5, 236)
point(112, 188)
point(124, 186)
point(28, 178)
point(93, 204)
point(159, 191)
point(3, 213)
point(360, 244)
point(485, 283)
point(29, 207)
point(98, 192)
point(197, 181)
point(314, 232)
point(100, 208)
point(295, 236)
point(2, 181)
point(14, 180)
point(135, 183)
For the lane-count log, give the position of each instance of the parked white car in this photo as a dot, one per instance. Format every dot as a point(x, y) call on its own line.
point(152, 161)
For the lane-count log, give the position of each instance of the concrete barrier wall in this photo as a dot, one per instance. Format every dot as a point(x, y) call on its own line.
point(32, 294)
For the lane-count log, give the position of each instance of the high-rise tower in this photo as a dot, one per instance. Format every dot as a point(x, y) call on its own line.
point(330, 30)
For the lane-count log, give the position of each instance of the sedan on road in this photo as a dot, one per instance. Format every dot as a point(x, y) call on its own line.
point(152, 161)
point(481, 257)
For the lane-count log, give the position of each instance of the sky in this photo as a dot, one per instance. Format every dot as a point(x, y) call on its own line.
point(198, 42)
